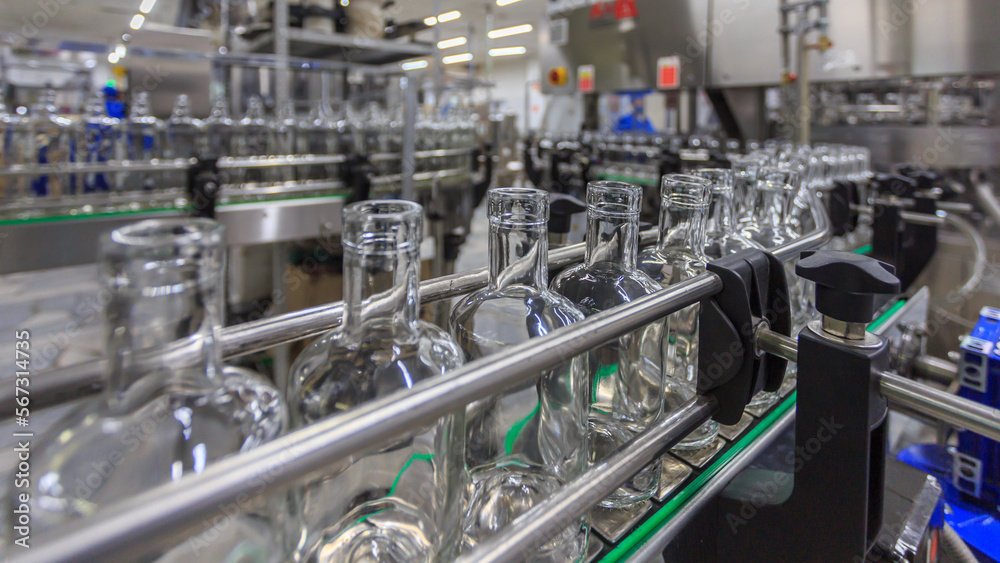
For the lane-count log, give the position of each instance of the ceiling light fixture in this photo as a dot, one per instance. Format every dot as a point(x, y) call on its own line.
point(137, 21)
point(449, 16)
point(508, 31)
point(113, 58)
point(430, 21)
point(120, 50)
point(452, 59)
point(506, 2)
point(449, 43)
point(507, 51)
point(414, 65)
point(147, 5)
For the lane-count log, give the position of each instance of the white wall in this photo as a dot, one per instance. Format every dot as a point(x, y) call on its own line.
point(518, 84)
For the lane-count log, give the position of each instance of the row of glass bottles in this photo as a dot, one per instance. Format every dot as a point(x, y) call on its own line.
point(499, 457)
point(46, 136)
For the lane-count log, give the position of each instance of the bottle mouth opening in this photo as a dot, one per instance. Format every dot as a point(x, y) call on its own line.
point(683, 190)
point(518, 206)
point(383, 227)
point(160, 233)
point(613, 199)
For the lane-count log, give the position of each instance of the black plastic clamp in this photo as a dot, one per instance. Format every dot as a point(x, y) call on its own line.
point(203, 187)
point(357, 174)
point(754, 294)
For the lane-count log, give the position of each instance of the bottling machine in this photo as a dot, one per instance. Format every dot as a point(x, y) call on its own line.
point(837, 310)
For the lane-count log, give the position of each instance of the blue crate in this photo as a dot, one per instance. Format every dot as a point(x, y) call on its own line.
point(976, 461)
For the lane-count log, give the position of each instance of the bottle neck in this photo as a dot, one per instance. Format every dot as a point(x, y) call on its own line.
point(771, 205)
point(683, 226)
point(518, 254)
point(721, 213)
point(381, 285)
point(164, 317)
point(612, 238)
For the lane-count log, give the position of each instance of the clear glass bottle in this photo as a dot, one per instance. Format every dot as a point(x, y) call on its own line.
point(776, 188)
point(15, 135)
point(219, 134)
point(286, 138)
point(626, 377)
point(254, 137)
point(722, 237)
point(745, 173)
point(679, 255)
point(97, 143)
point(526, 443)
point(141, 139)
point(402, 502)
point(159, 421)
point(52, 141)
point(184, 136)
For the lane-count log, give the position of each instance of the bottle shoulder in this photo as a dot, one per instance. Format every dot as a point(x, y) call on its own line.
point(671, 266)
point(601, 286)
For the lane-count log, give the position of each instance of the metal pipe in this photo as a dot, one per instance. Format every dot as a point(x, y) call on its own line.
point(547, 519)
point(654, 546)
point(166, 165)
point(163, 515)
point(940, 405)
point(935, 369)
point(981, 255)
point(989, 200)
point(777, 344)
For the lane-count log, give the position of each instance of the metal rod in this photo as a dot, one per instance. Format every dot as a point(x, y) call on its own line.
point(547, 519)
point(941, 405)
point(166, 165)
point(654, 546)
point(935, 369)
point(778, 344)
point(163, 515)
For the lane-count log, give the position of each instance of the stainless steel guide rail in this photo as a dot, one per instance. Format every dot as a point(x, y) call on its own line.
point(165, 514)
point(167, 164)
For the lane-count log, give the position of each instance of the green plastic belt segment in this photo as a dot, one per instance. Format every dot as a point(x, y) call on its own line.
point(866, 249)
point(886, 315)
point(661, 517)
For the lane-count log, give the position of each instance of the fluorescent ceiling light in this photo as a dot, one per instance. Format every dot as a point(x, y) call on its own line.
point(147, 5)
point(414, 65)
point(507, 51)
point(113, 58)
point(506, 2)
point(463, 58)
point(430, 21)
point(120, 50)
point(508, 31)
point(449, 43)
point(449, 16)
point(137, 21)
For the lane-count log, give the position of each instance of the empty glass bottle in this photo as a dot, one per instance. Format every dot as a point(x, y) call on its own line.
point(286, 138)
point(184, 134)
point(97, 143)
point(526, 443)
point(15, 134)
point(626, 377)
point(52, 141)
point(680, 255)
point(141, 139)
point(219, 134)
point(254, 137)
point(159, 421)
point(722, 237)
point(403, 501)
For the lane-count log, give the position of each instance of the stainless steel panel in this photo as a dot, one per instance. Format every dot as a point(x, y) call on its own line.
point(281, 221)
point(939, 147)
point(625, 52)
point(744, 43)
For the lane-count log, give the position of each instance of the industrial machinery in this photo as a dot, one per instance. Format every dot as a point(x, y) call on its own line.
point(789, 378)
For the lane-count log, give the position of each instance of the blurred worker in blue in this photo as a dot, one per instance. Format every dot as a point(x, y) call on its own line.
point(635, 122)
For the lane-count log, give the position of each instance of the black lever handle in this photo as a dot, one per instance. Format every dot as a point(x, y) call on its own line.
point(846, 283)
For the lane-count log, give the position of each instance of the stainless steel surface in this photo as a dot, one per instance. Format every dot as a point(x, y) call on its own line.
point(673, 473)
point(281, 221)
point(734, 431)
point(940, 405)
point(777, 344)
point(702, 456)
point(534, 528)
point(166, 513)
point(612, 523)
point(351, 49)
point(410, 87)
point(624, 53)
point(654, 545)
point(935, 369)
point(939, 147)
point(845, 330)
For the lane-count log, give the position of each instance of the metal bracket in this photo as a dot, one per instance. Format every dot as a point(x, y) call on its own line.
point(755, 293)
